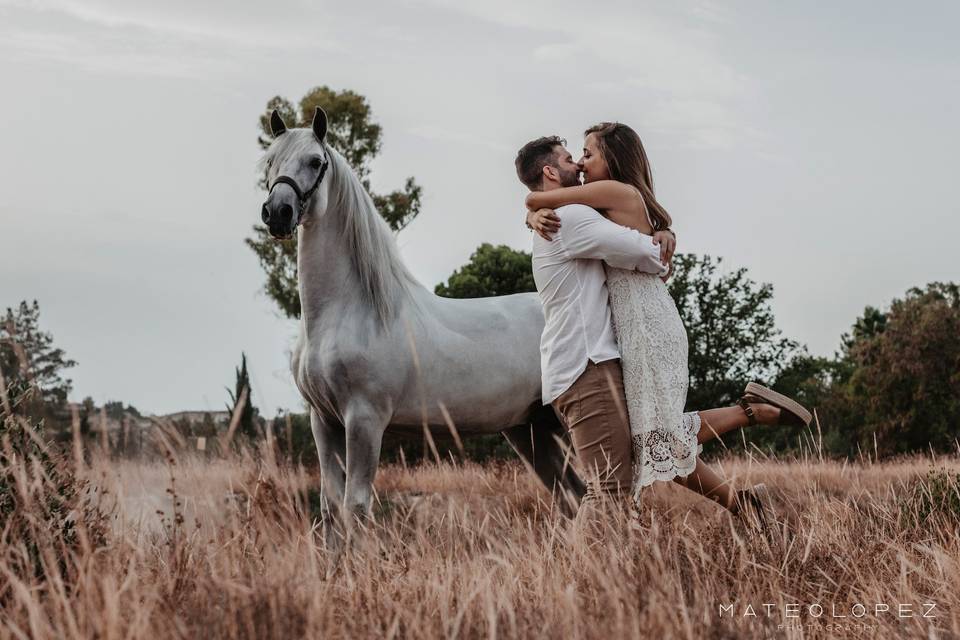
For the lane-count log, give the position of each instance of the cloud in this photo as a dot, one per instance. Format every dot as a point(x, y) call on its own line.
point(110, 55)
point(149, 38)
point(663, 57)
point(665, 50)
point(702, 121)
point(709, 11)
point(558, 52)
point(196, 21)
point(431, 132)
point(667, 58)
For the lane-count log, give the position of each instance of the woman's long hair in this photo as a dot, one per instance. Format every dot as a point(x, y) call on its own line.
point(627, 162)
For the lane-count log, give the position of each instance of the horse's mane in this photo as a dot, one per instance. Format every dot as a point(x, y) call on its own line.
point(369, 240)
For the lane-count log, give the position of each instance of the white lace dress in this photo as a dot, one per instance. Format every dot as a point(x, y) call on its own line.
point(653, 355)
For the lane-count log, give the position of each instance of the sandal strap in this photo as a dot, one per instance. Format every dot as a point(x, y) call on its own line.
point(747, 409)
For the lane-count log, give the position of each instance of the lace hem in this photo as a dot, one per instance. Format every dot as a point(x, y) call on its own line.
point(661, 455)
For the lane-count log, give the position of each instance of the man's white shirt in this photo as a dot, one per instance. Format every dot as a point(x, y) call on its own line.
point(573, 290)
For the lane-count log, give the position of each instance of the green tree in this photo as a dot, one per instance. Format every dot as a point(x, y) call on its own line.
point(41, 499)
point(731, 330)
point(823, 384)
point(116, 411)
point(351, 131)
point(492, 271)
point(811, 381)
point(893, 386)
point(87, 411)
point(32, 366)
point(905, 381)
point(248, 413)
point(868, 326)
point(865, 328)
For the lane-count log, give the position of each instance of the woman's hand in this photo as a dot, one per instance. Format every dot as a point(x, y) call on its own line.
point(544, 222)
point(668, 244)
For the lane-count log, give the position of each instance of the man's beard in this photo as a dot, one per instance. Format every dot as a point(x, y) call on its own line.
point(569, 178)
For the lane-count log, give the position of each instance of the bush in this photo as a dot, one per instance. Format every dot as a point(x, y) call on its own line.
point(46, 512)
point(935, 496)
point(45, 515)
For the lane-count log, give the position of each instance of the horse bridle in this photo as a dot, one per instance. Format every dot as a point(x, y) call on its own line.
point(302, 196)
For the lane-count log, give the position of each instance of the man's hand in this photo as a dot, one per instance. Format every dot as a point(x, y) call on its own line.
point(668, 245)
point(544, 222)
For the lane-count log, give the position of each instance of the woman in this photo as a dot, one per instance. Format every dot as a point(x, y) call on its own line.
point(650, 333)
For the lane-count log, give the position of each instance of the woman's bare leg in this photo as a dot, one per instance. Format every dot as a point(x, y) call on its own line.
point(713, 424)
point(716, 422)
point(708, 483)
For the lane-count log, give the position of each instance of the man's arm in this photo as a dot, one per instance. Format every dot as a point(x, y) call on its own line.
point(587, 234)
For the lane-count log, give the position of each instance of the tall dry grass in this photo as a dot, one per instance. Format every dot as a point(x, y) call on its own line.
point(227, 548)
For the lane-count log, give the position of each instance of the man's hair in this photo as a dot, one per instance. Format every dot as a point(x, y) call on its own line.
point(534, 156)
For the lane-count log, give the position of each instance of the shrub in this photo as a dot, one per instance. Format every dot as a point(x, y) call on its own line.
point(935, 496)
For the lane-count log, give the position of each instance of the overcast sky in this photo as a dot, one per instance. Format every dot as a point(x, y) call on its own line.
point(813, 144)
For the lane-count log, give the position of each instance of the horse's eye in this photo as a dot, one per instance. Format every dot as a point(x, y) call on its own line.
point(315, 163)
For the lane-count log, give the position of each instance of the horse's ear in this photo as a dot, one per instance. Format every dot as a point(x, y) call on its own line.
point(320, 124)
point(277, 127)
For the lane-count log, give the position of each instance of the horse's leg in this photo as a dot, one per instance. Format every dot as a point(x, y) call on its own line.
point(549, 436)
point(538, 444)
point(364, 425)
point(552, 434)
point(331, 449)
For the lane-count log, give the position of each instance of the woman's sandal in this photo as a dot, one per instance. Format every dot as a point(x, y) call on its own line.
point(792, 413)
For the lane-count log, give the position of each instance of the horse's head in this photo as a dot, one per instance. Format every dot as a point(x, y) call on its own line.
point(296, 163)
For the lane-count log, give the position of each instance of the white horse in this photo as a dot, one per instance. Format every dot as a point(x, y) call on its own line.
point(379, 351)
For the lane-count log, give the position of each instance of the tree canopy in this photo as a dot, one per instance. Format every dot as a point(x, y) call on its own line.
point(491, 271)
point(731, 330)
point(904, 380)
point(32, 366)
point(247, 424)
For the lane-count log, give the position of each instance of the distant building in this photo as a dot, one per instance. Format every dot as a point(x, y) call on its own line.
point(196, 417)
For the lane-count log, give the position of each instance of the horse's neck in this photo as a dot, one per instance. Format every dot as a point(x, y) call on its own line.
point(324, 271)
point(328, 281)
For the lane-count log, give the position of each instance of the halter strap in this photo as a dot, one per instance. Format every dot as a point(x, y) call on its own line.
point(288, 181)
point(302, 196)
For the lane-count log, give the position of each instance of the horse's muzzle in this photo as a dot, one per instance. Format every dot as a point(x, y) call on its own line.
point(278, 218)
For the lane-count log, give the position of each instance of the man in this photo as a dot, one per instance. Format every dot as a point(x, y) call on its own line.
point(580, 360)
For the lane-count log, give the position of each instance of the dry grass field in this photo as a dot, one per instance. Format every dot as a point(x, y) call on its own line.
point(194, 548)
